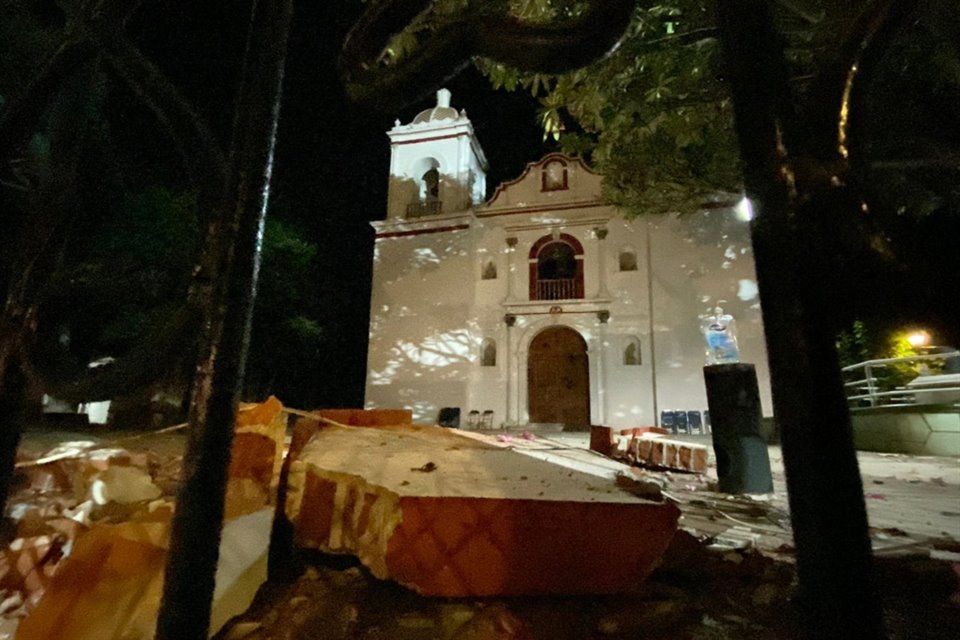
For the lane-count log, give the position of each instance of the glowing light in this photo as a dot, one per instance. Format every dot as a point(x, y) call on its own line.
point(744, 209)
point(919, 339)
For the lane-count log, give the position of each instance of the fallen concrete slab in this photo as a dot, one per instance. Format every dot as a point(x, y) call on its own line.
point(448, 515)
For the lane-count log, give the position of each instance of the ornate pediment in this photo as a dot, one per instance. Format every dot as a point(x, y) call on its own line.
point(556, 180)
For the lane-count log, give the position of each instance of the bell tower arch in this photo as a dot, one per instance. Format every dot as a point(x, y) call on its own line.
point(436, 163)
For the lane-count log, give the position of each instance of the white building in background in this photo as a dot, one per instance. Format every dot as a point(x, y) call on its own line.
point(543, 304)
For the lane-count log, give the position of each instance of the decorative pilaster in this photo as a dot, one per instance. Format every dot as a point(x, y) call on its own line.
point(601, 234)
point(511, 249)
point(509, 320)
point(603, 317)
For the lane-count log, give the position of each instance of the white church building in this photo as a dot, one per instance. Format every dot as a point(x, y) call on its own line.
point(543, 304)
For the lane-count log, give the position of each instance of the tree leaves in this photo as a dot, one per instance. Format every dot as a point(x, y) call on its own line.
point(652, 112)
point(656, 114)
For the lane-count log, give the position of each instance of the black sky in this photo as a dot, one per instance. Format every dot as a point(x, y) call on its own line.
point(332, 158)
point(332, 171)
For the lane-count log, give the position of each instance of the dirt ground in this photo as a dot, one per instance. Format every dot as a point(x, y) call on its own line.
point(694, 594)
point(700, 591)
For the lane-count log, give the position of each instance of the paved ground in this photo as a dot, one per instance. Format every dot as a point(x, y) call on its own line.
point(911, 500)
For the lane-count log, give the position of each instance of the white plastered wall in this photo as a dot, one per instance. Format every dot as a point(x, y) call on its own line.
point(431, 308)
point(423, 335)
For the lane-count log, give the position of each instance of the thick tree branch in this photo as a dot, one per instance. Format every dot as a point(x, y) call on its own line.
point(199, 149)
point(549, 48)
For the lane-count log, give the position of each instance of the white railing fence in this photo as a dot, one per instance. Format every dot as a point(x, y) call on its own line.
point(913, 380)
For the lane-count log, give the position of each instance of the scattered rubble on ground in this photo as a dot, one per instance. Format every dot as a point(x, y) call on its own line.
point(699, 592)
point(92, 527)
point(89, 541)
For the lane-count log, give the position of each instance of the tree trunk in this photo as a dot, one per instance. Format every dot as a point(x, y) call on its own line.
point(195, 535)
point(823, 480)
point(32, 257)
point(12, 415)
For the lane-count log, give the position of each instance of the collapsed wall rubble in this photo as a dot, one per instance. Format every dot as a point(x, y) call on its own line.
point(438, 512)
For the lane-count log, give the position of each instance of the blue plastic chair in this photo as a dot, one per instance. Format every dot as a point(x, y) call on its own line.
point(695, 422)
point(668, 421)
point(680, 417)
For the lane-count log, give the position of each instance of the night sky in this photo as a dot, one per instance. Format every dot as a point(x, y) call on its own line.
point(330, 175)
point(331, 172)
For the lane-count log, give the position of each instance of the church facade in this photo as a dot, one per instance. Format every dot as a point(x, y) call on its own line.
point(543, 304)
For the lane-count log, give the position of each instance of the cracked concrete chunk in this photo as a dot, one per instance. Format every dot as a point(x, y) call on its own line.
point(479, 523)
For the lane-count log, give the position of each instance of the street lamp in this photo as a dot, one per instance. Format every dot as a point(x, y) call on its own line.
point(919, 339)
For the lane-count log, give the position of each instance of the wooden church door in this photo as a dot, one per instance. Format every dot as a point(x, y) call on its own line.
point(558, 378)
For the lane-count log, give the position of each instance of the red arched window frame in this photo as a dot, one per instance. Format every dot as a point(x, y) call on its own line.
point(533, 259)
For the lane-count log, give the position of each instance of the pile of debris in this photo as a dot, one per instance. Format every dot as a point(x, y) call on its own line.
point(431, 509)
point(60, 497)
point(416, 511)
point(91, 533)
point(649, 447)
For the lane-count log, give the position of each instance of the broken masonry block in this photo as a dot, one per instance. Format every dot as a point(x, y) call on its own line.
point(669, 454)
point(446, 515)
point(108, 586)
point(256, 457)
point(615, 443)
point(367, 417)
point(603, 440)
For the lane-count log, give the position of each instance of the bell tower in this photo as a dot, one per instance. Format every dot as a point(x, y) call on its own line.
point(437, 166)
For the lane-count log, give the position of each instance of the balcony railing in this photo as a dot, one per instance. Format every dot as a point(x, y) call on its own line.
point(561, 289)
point(426, 208)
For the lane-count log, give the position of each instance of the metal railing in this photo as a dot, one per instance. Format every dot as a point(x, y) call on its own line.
point(425, 208)
point(560, 289)
point(901, 382)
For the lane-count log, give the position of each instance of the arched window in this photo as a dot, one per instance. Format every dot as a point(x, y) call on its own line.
point(556, 262)
point(489, 270)
point(431, 185)
point(553, 176)
point(556, 268)
point(631, 352)
point(426, 174)
point(628, 259)
point(488, 353)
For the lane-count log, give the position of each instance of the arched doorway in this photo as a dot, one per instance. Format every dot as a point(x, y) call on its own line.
point(558, 378)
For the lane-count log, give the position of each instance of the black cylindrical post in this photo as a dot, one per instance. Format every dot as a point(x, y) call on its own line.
point(743, 465)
